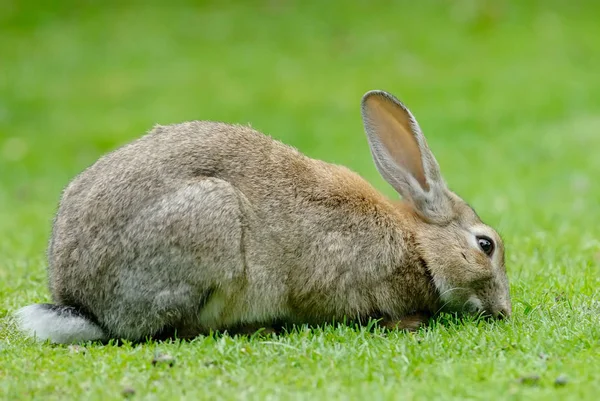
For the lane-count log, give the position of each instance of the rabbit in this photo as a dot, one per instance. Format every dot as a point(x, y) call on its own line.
point(205, 226)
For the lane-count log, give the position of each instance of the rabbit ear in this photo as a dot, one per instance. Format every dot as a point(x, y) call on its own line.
point(402, 156)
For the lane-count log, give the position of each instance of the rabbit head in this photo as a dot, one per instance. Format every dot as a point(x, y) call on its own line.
point(464, 256)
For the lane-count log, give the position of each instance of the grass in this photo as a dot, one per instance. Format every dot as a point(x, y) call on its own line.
point(506, 92)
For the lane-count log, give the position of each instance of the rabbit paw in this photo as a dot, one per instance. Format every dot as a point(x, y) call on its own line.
point(408, 323)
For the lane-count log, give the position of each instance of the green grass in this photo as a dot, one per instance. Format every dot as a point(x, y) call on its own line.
point(506, 92)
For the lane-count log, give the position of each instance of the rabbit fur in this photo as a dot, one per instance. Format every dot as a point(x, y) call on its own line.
point(204, 226)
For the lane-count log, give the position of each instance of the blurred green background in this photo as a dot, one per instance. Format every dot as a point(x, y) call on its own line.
point(505, 91)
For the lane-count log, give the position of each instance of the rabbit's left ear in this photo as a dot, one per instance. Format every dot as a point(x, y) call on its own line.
point(402, 156)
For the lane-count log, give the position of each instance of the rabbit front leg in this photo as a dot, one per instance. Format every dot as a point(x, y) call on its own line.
point(254, 329)
point(409, 323)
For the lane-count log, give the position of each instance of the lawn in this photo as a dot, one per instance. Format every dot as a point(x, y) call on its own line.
point(506, 92)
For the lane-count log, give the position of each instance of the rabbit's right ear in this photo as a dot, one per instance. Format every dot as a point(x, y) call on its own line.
point(402, 156)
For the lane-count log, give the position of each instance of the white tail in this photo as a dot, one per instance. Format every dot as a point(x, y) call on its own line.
point(58, 323)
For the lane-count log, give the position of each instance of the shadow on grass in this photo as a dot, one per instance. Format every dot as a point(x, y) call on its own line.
point(448, 321)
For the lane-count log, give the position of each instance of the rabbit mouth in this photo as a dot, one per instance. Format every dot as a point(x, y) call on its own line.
point(473, 306)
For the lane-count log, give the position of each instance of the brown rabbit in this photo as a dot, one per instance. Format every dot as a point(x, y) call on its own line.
point(206, 226)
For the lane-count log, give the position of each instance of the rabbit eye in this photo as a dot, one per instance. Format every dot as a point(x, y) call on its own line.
point(486, 245)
